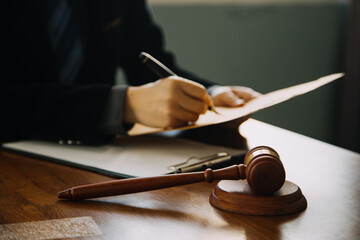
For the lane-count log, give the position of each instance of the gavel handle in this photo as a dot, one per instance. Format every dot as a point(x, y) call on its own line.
point(133, 185)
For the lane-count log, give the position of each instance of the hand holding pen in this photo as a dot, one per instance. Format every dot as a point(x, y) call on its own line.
point(162, 72)
point(227, 96)
point(166, 103)
point(172, 101)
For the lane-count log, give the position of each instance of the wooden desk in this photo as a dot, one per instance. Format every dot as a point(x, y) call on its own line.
point(328, 176)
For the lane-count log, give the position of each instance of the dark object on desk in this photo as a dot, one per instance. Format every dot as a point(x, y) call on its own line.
point(224, 134)
point(263, 170)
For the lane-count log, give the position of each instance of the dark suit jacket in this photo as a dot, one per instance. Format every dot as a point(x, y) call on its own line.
point(34, 104)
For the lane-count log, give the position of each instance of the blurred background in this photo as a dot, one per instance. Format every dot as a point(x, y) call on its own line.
point(272, 44)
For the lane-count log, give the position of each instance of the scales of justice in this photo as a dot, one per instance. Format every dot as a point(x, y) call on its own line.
point(264, 192)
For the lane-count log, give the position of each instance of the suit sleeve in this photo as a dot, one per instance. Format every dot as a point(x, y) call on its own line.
point(34, 105)
point(52, 112)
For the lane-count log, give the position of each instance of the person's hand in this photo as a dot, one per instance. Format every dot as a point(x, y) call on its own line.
point(232, 96)
point(168, 102)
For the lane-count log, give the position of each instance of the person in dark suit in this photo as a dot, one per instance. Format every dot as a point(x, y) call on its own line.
point(59, 63)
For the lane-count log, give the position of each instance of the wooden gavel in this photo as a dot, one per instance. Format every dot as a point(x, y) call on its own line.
point(262, 168)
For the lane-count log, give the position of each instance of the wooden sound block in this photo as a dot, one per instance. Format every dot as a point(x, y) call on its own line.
point(237, 197)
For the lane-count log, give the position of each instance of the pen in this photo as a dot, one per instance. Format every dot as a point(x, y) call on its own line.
point(194, 163)
point(161, 70)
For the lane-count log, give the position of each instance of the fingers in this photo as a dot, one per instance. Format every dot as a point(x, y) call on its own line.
point(245, 93)
point(224, 96)
point(175, 101)
point(169, 102)
point(232, 100)
point(181, 114)
point(187, 100)
point(233, 96)
point(171, 114)
point(190, 95)
point(192, 89)
point(190, 104)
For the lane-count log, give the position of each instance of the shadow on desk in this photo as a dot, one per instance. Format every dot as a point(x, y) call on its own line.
point(224, 134)
point(251, 224)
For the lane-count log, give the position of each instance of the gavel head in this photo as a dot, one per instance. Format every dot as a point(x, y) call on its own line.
point(264, 171)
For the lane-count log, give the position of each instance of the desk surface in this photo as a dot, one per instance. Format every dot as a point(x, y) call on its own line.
point(327, 175)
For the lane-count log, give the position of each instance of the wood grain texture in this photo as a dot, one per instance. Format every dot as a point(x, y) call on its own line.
point(327, 175)
point(51, 229)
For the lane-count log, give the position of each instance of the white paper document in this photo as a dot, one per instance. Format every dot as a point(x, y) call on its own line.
point(264, 101)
